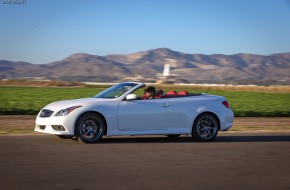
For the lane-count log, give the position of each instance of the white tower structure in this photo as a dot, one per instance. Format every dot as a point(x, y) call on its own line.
point(166, 77)
point(166, 70)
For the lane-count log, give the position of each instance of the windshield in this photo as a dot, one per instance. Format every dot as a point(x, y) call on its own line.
point(115, 91)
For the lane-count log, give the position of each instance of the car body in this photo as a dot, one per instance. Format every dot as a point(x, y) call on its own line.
point(118, 111)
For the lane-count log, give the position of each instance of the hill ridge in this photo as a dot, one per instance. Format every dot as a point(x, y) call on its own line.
point(274, 68)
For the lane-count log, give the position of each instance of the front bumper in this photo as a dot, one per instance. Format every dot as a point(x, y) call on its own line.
point(60, 125)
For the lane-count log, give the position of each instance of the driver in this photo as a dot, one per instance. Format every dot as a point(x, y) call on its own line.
point(149, 93)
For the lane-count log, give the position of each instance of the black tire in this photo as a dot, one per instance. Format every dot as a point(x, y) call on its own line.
point(173, 136)
point(205, 127)
point(65, 136)
point(90, 128)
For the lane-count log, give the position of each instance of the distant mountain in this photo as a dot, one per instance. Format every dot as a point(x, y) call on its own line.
point(274, 68)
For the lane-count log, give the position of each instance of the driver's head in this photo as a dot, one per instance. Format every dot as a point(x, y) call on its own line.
point(150, 92)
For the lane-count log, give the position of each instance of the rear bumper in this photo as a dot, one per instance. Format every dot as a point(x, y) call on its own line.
point(227, 120)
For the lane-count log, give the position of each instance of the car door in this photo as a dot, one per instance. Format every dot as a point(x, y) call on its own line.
point(151, 114)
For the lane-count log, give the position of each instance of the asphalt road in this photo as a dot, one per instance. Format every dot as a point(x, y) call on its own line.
point(232, 161)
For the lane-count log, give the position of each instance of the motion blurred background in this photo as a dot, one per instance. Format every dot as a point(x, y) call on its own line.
point(239, 49)
point(203, 41)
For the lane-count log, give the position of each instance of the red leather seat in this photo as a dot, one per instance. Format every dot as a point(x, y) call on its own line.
point(183, 93)
point(171, 93)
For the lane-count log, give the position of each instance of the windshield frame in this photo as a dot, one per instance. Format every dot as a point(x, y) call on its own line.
point(115, 90)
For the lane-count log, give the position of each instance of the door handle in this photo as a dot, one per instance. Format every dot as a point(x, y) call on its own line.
point(165, 105)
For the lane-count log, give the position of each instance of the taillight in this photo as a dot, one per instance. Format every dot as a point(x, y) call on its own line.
point(226, 104)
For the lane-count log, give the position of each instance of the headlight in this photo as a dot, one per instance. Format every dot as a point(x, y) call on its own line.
point(66, 111)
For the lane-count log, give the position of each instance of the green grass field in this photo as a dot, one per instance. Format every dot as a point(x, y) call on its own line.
point(29, 100)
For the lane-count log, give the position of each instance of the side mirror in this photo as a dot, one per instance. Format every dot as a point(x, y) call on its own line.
point(131, 97)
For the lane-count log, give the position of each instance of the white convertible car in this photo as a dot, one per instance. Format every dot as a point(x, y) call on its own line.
point(119, 111)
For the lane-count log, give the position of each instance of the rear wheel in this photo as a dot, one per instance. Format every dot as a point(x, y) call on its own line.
point(90, 128)
point(205, 127)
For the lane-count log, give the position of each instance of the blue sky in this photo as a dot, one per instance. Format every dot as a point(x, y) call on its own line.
point(50, 30)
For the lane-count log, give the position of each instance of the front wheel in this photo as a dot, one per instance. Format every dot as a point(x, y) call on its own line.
point(90, 128)
point(205, 127)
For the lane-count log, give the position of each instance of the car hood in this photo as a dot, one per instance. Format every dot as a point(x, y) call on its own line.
point(69, 103)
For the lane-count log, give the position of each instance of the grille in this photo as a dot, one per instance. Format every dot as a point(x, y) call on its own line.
point(46, 113)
